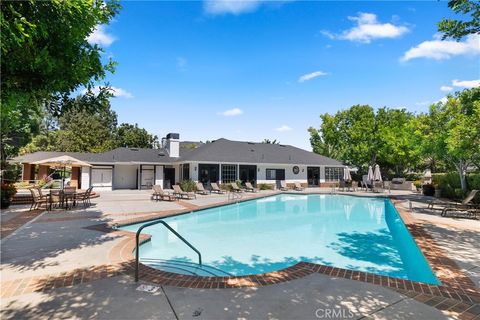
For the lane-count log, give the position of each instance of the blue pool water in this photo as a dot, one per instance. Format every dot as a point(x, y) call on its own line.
point(257, 236)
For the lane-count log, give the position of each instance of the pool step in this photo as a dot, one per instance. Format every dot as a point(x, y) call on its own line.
point(185, 267)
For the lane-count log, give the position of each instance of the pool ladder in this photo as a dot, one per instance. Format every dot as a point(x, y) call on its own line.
point(137, 244)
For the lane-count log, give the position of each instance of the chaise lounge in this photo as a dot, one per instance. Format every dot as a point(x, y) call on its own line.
point(201, 189)
point(283, 186)
point(249, 187)
point(160, 194)
point(180, 194)
point(298, 186)
point(470, 209)
point(215, 188)
point(235, 187)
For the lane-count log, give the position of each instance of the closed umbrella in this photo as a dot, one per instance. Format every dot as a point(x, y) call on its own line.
point(346, 174)
point(377, 176)
point(370, 174)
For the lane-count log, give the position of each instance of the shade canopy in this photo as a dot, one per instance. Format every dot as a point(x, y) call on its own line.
point(62, 161)
point(346, 174)
point(377, 176)
point(370, 173)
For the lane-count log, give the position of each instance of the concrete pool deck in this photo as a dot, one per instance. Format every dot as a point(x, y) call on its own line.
point(58, 242)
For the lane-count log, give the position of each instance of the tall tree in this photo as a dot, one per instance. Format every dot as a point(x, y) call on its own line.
point(451, 132)
point(48, 52)
point(457, 29)
point(131, 136)
point(268, 141)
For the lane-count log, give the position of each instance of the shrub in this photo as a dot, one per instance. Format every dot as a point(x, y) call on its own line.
point(239, 183)
point(188, 185)
point(418, 183)
point(265, 186)
point(450, 184)
point(428, 189)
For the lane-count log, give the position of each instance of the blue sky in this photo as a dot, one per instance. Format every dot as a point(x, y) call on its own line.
point(254, 70)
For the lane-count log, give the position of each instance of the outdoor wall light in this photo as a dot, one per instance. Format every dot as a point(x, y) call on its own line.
point(195, 168)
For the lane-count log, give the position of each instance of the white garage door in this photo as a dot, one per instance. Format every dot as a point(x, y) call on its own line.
point(125, 177)
point(101, 177)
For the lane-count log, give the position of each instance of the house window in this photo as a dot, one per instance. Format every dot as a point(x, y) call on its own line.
point(333, 173)
point(186, 171)
point(229, 173)
point(275, 174)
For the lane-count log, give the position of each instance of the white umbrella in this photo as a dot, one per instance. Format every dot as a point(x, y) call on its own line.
point(377, 176)
point(346, 174)
point(370, 174)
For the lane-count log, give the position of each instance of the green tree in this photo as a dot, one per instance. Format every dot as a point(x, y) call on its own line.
point(458, 29)
point(131, 136)
point(360, 136)
point(48, 52)
point(451, 132)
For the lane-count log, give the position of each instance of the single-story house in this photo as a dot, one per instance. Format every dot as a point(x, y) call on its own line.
point(219, 161)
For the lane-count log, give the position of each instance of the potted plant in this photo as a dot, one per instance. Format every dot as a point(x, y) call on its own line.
point(8, 191)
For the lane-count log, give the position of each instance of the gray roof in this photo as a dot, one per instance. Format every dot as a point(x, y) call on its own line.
point(221, 150)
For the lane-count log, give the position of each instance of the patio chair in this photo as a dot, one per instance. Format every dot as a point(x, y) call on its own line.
point(354, 185)
point(365, 183)
point(83, 197)
point(201, 189)
point(56, 199)
point(342, 185)
point(283, 186)
point(249, 187)
point(37, 199)
point(378, 186)
point(235, 187)
point(179, 193)
point(298, 186)
point(215, 188)
point(160, 194)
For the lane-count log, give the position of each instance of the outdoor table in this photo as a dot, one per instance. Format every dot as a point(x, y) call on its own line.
point(66, 197)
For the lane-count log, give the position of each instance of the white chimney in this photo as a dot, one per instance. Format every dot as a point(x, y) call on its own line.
point(173, 144)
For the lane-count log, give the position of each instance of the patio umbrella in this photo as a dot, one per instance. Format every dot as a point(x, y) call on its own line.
point(377, 176)
point(62, 162)
point(346, 174)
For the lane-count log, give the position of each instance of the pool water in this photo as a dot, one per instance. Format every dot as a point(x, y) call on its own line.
point(272, 233)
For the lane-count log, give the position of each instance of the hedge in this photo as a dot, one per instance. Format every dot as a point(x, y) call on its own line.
point(450, 184)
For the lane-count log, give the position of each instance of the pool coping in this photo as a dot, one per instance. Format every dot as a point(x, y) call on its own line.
point(457, 292)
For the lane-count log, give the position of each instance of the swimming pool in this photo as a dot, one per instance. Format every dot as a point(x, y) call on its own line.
point(272, 233)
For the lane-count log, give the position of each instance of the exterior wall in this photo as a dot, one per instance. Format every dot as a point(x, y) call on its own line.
point(42, 172)
point(290, 177)
point(159, 175)
point(194, 171)
point(75, 179)
point(85, 177)
point(28, 171)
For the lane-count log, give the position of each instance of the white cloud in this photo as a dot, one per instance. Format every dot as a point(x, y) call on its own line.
point(439, 50)
point(368, 28)
point(101, 37)
point(235, 7)
point(182, 63)
point(312, 75)
point(116, 92)
point(446, 88)
point(283, 128)
point(466, 83)
point(443, 100)
point(232, 112)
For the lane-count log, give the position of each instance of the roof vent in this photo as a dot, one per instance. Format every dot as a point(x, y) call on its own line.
point(251, 142)
point(282, 145)
point(134, 149)
point(251, 150)
point(161, 154)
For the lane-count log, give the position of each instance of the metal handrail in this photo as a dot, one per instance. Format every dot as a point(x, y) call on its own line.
point(137, 243)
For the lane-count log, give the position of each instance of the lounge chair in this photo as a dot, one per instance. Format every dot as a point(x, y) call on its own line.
point(179, 193)
point(201, 189)
point(160, 194)
point(298, 186)
point(466, 206)
point(235, 187)
point(215, 188)
point(365, 183)
point(249, 187)
point(283, 186)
